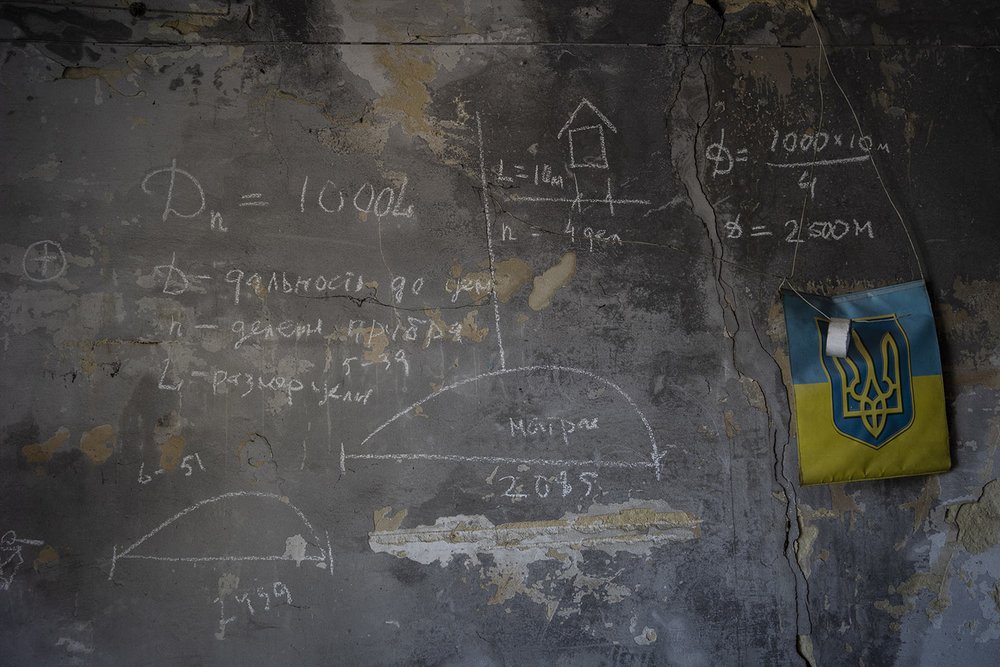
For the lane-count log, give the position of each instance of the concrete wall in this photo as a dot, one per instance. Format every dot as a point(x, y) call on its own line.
point(385, 333)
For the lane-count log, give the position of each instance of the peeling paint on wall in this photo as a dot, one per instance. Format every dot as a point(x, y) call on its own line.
point(505, 552)
point(171, 452)
point(42, 452)
point(385, 520)
point(95, 443)
point(979, 521)
point(633, 527)
point(547, 284)
point(47, 557)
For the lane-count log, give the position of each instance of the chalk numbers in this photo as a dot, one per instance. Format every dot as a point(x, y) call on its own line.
point(384, 358)
point(189, 464)
point(561, 485)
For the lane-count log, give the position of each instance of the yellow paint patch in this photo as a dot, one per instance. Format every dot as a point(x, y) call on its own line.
point(546, 285)
point(171, 452)
point(512, 274)
point(732, 428)
point(46, 557)
point(42, 452)
point(435, 317)
point(471, 330)
point(95, 443)
point(374, 344)
point(476, 285)
point(921, 505)
point(384, 519)
point(804, 544)
point(508, 584)
point(911, 588)
point(632, 519)
point(979, 521)
point(193, 24)
point(78, 73)
point(409, 96)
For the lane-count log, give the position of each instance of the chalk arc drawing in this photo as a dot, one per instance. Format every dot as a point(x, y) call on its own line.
point(323, 559)
point(654, 462)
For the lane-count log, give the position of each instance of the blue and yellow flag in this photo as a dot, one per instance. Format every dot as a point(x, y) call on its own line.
point(878, 411)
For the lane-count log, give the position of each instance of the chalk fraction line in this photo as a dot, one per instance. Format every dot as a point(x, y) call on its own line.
point(818, 163)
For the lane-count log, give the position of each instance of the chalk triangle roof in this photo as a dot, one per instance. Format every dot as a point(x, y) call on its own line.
point(585, 102)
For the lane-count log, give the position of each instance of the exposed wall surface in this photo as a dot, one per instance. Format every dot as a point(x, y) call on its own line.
point(392, 333)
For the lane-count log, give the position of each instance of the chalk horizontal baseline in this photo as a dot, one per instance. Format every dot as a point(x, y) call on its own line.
point(214, 559)
point(565, 463)
point(577, 200)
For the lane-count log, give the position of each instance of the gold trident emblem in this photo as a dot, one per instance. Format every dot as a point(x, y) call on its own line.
point(878, 397)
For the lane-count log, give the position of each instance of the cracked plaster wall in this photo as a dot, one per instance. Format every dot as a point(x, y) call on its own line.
point(515, 431)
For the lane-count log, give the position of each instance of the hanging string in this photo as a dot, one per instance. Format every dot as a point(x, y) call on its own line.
point(807, 198)
point(785, 281)
point(857, 122)
point(822, 58)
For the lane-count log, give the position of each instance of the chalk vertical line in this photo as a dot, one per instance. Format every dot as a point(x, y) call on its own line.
point(114, 561)
point(489, 240)
point(343, 468)
point(329, 554)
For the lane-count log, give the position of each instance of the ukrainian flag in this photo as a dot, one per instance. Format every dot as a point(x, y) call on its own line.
point(879, 411)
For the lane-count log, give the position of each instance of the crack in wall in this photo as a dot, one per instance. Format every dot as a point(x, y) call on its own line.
point(696, 106)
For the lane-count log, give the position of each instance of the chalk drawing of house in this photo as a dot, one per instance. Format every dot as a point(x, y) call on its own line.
point(586, 142)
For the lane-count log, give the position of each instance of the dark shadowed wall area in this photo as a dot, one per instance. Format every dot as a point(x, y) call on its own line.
point(403, 333)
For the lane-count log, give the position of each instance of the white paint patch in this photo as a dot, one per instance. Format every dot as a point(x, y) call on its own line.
point(646, 637)
point(634, 527)
point(514, 549)
point(295, 549)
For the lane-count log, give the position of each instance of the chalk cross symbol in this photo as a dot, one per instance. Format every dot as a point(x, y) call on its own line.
point(49, 266)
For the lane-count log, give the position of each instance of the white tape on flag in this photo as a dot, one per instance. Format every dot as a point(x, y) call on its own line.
point(838, 337)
